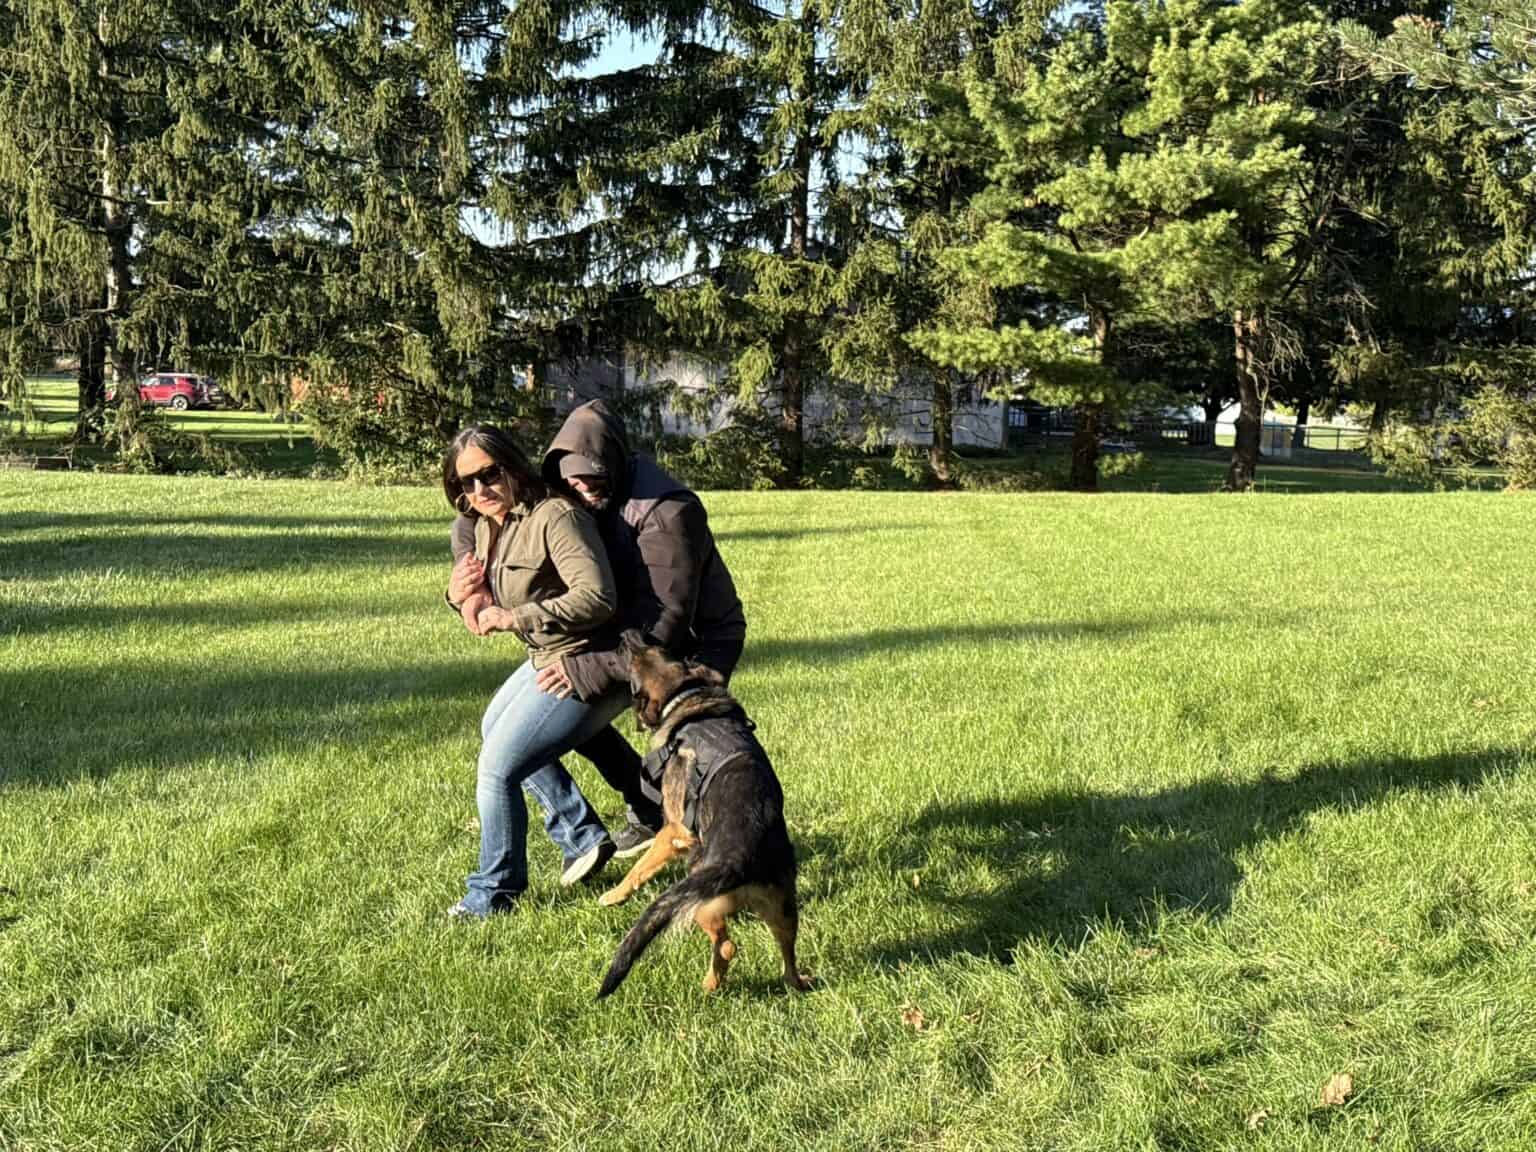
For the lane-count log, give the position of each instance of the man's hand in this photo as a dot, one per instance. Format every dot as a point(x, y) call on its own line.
point(493, 619)
point(468, 575)
point(553, 681)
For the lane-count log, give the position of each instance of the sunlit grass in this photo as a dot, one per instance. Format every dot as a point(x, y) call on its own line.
point(1125, 822)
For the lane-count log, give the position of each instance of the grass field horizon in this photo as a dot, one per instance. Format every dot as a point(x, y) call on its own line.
point(1125, 821)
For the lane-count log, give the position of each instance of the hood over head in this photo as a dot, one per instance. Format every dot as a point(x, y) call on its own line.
point(592, 430)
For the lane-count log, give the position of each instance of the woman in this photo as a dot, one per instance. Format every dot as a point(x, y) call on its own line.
point(540, 572)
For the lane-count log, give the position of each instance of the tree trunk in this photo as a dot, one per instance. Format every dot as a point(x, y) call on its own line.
point(941, 451)
point(1303, 414)
point(792, 376)
point(116, 224)
point(91, 381)
point(1084, 475)
point(1089, 414)
point(1247, 332)
point(792, 410)
point(793, 366)
point(1379, 416)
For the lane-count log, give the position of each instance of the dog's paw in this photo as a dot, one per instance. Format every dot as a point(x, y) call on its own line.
point(612, 897)
point(799, 981)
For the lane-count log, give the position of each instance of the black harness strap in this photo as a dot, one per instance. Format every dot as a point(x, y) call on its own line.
point(716, 742)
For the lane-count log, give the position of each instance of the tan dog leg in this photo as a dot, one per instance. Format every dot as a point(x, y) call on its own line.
point(711, 917)
point(671, 842)
point(774, 908)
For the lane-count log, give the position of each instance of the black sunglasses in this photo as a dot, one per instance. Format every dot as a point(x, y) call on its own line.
point(487, 477)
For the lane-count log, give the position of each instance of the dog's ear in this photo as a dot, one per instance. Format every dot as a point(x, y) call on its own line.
point(704, 674)
point(650, 687)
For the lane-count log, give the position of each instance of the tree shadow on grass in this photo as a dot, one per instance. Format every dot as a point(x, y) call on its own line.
point(848, 532)
point(31, 520)
point(83, 543)
point(74, 724)
point(35, 618)
point(1069, 860)
point(818, 650)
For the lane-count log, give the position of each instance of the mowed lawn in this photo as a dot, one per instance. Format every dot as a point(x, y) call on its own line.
point(1126, 822)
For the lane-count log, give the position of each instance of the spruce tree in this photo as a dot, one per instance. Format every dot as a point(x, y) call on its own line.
point(924, 158)
point(1466, 72)
point(773, 239)
point(83, 103)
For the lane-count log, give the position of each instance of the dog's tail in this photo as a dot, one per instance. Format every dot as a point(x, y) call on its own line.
point(674, 905)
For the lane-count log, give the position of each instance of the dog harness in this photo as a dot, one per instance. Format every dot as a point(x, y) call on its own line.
point(715, 741)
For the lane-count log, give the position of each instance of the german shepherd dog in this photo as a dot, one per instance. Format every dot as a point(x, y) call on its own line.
point(741, 856)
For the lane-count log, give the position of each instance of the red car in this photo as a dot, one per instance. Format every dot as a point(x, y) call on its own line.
point(178, 390)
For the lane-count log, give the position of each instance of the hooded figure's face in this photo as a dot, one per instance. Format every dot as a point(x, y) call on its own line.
point(592, 491)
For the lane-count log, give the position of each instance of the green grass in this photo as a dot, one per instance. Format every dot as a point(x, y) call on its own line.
point(1154, 813)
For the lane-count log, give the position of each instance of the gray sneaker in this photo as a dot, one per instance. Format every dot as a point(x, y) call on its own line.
point(462, 913)
point(588, 864)
point(633, 839)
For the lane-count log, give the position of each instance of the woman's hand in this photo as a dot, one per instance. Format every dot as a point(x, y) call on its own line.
point(494, 619)
point(469, 611)
point(468, 576)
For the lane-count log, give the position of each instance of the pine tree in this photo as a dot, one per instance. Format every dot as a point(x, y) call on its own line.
point(1222, 132)
point(1054, 112)
point(1470, 73)
point(1483, 47)
point(398, 205)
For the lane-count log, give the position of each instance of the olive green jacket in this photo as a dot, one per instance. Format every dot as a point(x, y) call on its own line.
point(547, 566)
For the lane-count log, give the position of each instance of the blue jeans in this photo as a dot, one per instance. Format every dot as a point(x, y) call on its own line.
point(523, 733)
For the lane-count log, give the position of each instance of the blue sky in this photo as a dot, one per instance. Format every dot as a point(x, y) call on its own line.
point(623, 51)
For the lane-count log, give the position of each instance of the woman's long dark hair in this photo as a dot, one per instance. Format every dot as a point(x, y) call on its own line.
point(525, 484)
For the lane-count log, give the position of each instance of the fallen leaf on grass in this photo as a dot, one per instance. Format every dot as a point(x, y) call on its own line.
point(1256, 1119)
point(1338, 1089)
point(913, 1018)
point(1145, 953)
point(1524, 888)
point(915, 881)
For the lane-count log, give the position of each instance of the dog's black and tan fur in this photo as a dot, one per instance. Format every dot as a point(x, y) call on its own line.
point(741, 856)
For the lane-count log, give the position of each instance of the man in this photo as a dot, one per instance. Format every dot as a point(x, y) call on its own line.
point(673, 585)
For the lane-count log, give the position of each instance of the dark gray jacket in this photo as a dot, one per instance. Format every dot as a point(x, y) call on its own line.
point(673, 584)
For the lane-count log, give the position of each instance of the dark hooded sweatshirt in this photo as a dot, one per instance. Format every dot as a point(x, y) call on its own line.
point(673, 584)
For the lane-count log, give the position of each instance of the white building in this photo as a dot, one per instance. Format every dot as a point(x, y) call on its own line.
point(694, 410)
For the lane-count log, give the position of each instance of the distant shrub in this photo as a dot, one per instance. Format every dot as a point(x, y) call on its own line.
point(1008, 476)
point(1408, 451)
point(1120, 464)
point(1500, 425)
point(743, 454)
